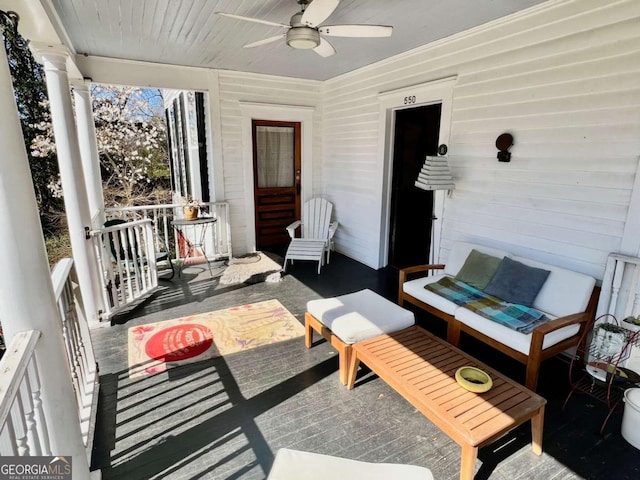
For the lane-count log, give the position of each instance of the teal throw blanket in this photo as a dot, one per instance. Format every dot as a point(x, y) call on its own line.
point(517, 317)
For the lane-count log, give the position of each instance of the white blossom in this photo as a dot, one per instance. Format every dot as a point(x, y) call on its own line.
point(129, 128)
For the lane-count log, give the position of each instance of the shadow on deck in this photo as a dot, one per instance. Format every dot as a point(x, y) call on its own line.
point(226, 418)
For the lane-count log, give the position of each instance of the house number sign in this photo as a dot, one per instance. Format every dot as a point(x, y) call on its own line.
point(410, 100)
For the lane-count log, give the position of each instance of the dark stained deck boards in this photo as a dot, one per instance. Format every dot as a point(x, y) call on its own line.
point(226, 418)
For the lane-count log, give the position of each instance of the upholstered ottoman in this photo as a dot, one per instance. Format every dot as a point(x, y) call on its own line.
point(352, 318)
point(297, 465)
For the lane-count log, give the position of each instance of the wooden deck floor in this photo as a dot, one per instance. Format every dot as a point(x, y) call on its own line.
point(226, 418)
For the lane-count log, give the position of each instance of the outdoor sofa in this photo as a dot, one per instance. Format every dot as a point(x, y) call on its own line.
point(561, 302)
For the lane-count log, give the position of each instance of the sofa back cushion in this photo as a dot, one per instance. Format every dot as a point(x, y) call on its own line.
point(516, 282)
point(478, 269)
point(461, 250)
point(565, 292)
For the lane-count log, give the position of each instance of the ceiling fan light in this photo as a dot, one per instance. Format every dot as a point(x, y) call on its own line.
point(303, 38)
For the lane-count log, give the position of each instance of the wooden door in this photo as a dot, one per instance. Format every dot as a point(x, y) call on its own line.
point(276, 180)
point(415, 136)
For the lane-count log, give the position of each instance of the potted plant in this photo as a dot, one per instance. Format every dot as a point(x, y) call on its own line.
point(191, 208)
point(609, 339)
point(632, 323)
point(606, 348)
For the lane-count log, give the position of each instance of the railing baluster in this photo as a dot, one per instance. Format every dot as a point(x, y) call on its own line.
point(30, 417)
point(20, 420)
point(41, 424)
point(10, 436)
point(8, 445)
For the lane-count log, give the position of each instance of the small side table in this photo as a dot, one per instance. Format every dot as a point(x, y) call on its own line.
point(179, 224)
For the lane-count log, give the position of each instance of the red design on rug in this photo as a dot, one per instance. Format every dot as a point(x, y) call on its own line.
point(179, 342)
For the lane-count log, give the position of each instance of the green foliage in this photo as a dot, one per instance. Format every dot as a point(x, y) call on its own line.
point(58, 247)
point(31, 98)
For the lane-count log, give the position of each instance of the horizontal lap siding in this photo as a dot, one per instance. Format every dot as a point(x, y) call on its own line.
point(239, 87)
point(563, 80)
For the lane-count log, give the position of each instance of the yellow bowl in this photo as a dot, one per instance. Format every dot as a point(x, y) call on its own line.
point(473, 379)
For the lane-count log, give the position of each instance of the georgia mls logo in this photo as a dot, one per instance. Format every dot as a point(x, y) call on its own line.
point(35, 468)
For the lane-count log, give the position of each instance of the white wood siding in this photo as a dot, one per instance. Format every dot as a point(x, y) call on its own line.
point(563, 79)
point(237, 87)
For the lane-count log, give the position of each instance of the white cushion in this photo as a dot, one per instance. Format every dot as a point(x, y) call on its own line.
point(564, 292)
point(359, 316)
point(461, 250)
point(416, 289)
point(297, 465)
point(507, 336)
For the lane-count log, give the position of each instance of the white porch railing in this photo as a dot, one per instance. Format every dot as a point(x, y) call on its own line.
point(23, 425)
point(127, 255)
point(620, 297)
point(218, 237)
point(620, 294)
point(75, 330)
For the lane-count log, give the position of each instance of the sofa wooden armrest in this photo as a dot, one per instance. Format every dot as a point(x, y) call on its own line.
point(560, 322)
point(411, 272)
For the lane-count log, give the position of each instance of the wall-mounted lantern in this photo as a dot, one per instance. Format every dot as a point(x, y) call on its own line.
point(504, 143)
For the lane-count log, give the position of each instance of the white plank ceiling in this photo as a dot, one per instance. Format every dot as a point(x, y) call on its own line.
point(188, 32)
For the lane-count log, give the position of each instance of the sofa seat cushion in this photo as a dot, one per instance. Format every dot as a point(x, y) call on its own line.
point(416, 289)
point(359, 316)
point(507, 336)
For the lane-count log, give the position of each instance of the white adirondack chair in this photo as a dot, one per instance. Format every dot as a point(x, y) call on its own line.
point(317, 233)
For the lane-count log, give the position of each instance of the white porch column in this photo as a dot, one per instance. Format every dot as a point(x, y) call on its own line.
point(71, 175)
point(89, 151)
point(27, 300)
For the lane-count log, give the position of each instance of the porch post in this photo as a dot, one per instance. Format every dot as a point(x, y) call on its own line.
point(72, 179)
point(89, 151)
point(27, 300)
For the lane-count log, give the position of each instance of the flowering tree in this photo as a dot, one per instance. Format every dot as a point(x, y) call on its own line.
point(131, 137)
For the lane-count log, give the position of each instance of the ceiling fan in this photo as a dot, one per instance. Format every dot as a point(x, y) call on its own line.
point(304, 31)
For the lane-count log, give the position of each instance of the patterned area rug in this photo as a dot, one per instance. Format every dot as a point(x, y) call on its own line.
point(155, 347)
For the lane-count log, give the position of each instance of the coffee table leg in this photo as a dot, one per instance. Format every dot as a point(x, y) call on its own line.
point(468, 463)
point(537, 424)
point(354, 361)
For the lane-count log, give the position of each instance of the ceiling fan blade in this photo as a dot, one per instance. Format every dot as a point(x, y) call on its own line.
point(318, 11)
point(356, 30)
point(250, 19)
point(265, 41)
point(324, 48)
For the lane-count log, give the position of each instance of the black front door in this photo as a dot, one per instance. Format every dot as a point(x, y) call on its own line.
point(416, 136)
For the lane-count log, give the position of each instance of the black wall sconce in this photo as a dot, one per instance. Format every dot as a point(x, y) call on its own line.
point(504, 143)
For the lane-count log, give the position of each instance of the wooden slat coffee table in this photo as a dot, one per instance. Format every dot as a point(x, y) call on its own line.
point(421, 368)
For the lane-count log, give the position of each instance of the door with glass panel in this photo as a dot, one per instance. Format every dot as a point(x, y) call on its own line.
point(277, 171)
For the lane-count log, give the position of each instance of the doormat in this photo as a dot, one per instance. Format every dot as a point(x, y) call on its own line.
point(252, 268)
point(155, 347)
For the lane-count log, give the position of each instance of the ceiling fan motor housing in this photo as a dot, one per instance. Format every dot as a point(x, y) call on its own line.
point(303, 38)
point(300, 36)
